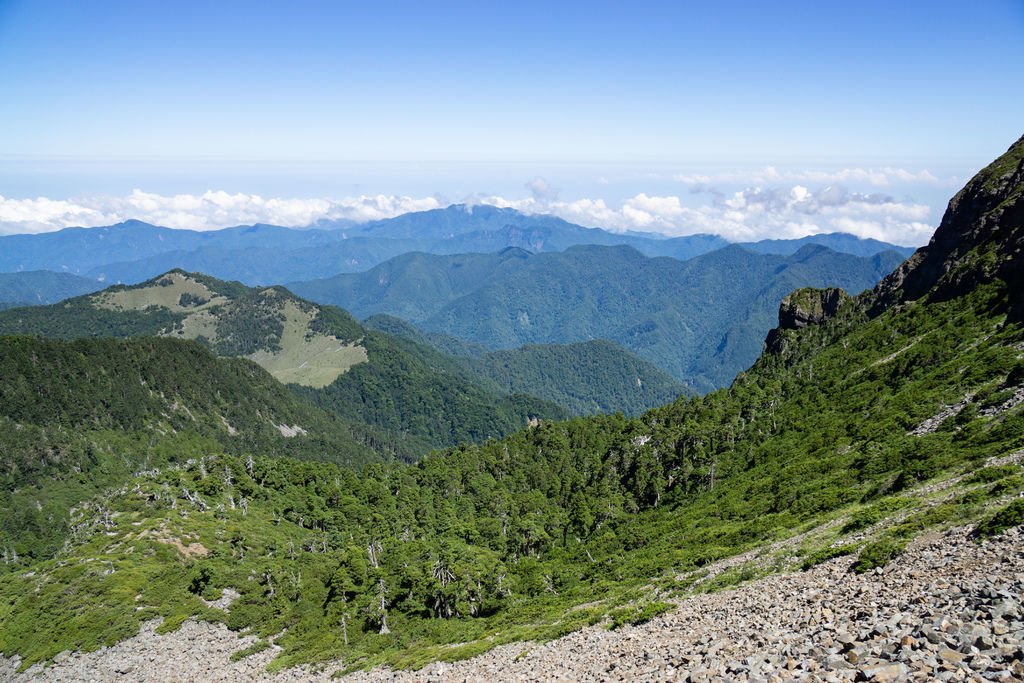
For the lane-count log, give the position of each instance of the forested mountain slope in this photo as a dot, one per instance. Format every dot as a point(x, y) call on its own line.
point(585, 378)
point(79, 416)
point(701, 320)
point(413, 397)
point(872, 419)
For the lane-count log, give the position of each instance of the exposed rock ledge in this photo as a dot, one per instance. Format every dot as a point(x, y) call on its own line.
point(803, 307)
point(948, 609)
point(810, 306)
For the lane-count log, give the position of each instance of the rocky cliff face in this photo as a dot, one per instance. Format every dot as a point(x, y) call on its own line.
point(980, 239)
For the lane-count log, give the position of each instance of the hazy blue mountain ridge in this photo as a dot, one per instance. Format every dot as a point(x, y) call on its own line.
point(35, 287)
point(836, 241)
point(134, 251)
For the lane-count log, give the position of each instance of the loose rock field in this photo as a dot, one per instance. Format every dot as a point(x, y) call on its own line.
point(949, 609)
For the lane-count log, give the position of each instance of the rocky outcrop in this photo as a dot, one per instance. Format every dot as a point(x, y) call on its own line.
point(979, 239)
point(804, 307)
point(810, 306)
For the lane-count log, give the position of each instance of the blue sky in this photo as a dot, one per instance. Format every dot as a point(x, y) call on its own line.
point(336, 100)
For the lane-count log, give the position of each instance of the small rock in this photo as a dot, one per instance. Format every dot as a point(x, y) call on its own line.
point(884, 672)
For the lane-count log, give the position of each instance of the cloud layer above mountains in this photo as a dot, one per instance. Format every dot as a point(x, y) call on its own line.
point(750, 214)
point(208, 211)
point(766, 203)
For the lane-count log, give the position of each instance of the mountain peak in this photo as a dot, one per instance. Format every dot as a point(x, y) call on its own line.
point(485, 208)
point(979, 239)
point(127, 224)
point(809, 251)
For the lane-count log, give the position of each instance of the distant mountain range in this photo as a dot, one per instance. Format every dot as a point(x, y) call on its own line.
point(133, 251)
point(530, 280)
point(702, 320)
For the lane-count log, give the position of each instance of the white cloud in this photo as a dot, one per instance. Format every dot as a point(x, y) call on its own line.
point(542, 190)
point(780, 211)
point(41, 214)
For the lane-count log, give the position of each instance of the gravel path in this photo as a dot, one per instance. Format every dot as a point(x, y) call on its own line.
point(949, 609)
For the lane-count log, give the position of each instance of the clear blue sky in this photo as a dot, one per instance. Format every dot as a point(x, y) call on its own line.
point(632, 115)
point(511, 80)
